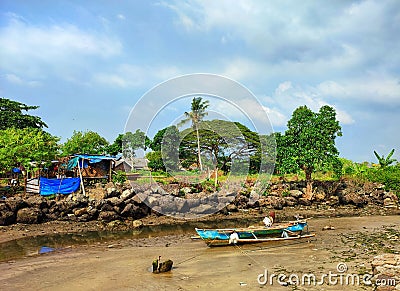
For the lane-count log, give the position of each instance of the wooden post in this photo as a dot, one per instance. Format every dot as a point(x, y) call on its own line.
point(80, 175)
point(110, 171)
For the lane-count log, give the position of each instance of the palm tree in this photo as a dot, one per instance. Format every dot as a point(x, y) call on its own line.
point(196, 115)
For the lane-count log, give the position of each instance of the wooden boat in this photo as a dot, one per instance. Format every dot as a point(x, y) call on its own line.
point(278, 232)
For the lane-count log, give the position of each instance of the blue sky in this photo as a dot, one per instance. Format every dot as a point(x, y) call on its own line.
point(87, 63)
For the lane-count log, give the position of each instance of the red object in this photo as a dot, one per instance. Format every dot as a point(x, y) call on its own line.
point(272, 214)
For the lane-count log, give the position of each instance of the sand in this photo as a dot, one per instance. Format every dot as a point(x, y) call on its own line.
point(125, 265)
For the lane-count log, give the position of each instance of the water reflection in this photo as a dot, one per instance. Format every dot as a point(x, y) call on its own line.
point(47, 243)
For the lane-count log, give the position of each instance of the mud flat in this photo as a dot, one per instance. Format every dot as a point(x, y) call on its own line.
point(125, 264)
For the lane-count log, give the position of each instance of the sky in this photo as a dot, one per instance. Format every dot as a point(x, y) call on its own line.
point(87, 63)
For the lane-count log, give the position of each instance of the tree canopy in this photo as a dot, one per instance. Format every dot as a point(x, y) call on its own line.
point(88, 142)
point(134, 141)
point(309, 142)
point(222, 142)
point(23, 146)
point(11, 115)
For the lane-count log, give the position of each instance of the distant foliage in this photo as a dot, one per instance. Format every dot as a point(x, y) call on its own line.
point(389, 176)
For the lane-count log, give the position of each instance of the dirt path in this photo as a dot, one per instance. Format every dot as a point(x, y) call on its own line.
point(124, 265)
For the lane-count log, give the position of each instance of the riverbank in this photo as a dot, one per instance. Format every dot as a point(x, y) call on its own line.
point(19, 230)
point(124, 264)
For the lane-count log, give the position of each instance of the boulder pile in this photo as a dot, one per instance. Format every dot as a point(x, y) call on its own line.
point(112, 202)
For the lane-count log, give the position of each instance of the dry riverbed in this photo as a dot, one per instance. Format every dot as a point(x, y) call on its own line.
point(124, 264)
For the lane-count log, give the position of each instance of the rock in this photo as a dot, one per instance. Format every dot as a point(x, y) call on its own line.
point(137, 224)
point(231, 208)
point(108, 216)
point(36, 202)
point(192, 203)
point(181, 205)
point(29, 215)
point(320, 195)
point(128, 210)
point(304, 201)
point(16, 203)
point(165, 266)
point(377, 196)
point(296, 193)
point(114, 201)
point(291, 201)
point(204, 209)
point(333, 201)
point(277, 202)
point(167, 204)
point(389, 203)
point(6, 215)
point(80, 211)
point(136, 199)
point(355, 198)
point(112, 192)
point(91, 211)
point(128, 193)
point(185, 190)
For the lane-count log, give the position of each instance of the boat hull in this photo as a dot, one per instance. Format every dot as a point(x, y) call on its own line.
point(279, 232)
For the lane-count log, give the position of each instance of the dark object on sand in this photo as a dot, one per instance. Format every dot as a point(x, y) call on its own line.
point(165, 266)
point(161, 267)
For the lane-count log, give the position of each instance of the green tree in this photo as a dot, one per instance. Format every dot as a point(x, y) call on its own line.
point(165, 146)
point(384, 162)
point(134, 141)
point(116, 147)
point(309, 142)
point(223, 142)
point(87, 142)
point(11, 115)
point(155, 161)
point(29, 147)
point(196, 115)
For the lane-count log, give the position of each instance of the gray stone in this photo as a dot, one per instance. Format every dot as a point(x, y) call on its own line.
point(128, 193)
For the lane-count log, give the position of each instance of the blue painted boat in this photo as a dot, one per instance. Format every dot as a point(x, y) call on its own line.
point(277, 232)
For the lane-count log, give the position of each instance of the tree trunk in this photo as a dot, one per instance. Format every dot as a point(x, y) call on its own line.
point(309, 193)
point(198, 149)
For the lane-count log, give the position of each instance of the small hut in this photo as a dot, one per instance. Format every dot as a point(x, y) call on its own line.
point(91, 166)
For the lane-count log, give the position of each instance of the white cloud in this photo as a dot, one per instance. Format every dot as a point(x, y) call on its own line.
point(14, 79)
point(121, 16)
point(128, 75)
point(36, 50)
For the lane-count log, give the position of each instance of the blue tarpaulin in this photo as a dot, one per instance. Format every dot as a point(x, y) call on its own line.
point(59, 186)
point(85, 160)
